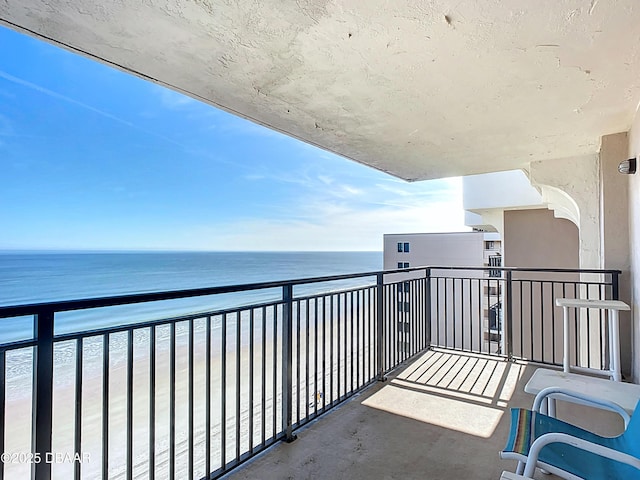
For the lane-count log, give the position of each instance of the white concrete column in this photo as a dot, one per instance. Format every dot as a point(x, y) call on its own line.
point(614, 235)
point(571, 186)
point(634, 241)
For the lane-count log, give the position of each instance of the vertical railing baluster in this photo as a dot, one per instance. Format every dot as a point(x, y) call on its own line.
point(453, 311)
point(298, 366)
point(42, 412)
point(331, 348)
point(509, 320)
point(439, 340)
point(315, 357)
point(359, 346)
point(427, 331)
point(577, 326)
point(446, 314)
point(77, 441)
point(553, 322)
point(238, 384)
point(521, 289)
point(251, 377)
point(306, 344)
point(275, 373)
point(531, 322)
point(190, 400)
point(172, 401)
point(287, 362)
point(207, 395)
point(471, 315)
point(152, 402)
point(105, 406)
point(542, 320)
point(338, 345)
point(395, 314)
point(379, 326)
point(3, 373)
point(130, 404)
point(588, 327)
point(368, 325)
point(462, 319)
point(603, 343)
point(351, 314)
point(223, 392)
point(263, 385)
point(480, 314)
point(615, 286)
point(324, 352)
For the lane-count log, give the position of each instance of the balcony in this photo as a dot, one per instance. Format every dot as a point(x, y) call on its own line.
point(443, 415)
point(195, 395)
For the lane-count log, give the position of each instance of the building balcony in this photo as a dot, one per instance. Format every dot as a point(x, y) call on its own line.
point(192, 384)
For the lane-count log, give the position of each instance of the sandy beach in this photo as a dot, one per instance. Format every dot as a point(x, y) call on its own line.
point(238, 427)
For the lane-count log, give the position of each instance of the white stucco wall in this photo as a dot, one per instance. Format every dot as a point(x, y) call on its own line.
point(614, 191)
point(510, 189)
point(634, 242)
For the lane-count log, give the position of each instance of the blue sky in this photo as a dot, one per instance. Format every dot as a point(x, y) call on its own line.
point(92, 158)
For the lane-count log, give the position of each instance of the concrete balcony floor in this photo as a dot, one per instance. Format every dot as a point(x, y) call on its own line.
point(445, 415)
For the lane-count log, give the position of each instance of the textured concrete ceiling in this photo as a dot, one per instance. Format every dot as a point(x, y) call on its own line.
point(421, 89)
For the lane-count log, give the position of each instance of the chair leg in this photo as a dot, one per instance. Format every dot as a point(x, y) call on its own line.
point(520, 469)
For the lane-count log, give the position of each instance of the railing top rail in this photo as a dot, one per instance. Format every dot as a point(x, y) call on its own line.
point(128, 299)
point(521, 269)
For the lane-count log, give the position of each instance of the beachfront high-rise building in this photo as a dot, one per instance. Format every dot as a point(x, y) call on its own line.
point(460, 249)
point(475, 249)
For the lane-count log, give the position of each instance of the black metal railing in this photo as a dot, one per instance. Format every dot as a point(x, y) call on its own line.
point(515, 314)
point(195, 395)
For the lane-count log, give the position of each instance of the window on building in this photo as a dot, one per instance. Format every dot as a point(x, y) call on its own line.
point(489, 245)
point(404, 307)
point(399, 246)
point(495, 261)
point(405, 265)
point(406, 247)
point(400, 264)
point(495, 322)
point(404, 287)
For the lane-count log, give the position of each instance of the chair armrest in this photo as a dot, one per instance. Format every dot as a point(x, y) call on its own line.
point(546, 439)
point(577, 397)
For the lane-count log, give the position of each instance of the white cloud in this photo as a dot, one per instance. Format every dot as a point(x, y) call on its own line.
point(173, 100)
point(332, 227)
point(327, 180)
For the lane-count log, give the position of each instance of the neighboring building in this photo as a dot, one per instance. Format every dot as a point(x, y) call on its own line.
point(458, 249)
point(540, 229)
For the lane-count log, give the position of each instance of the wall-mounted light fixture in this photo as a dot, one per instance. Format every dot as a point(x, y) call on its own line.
point(628, 167)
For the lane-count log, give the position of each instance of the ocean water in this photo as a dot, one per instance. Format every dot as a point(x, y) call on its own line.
point(27, 278)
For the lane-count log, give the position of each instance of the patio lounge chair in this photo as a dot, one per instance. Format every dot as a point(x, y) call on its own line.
point(571, 452)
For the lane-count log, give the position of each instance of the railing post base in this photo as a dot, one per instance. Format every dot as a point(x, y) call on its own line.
point(290, 438)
